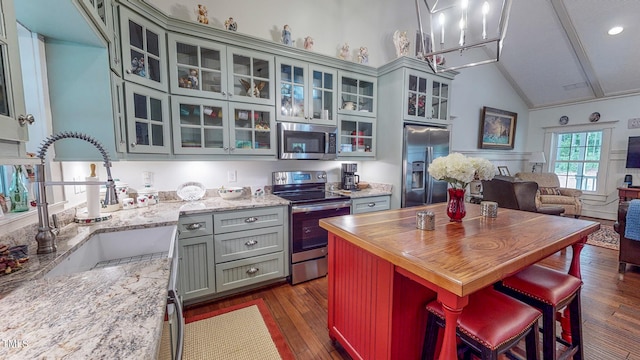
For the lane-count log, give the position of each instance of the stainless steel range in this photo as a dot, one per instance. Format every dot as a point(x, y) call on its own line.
point(309, 203)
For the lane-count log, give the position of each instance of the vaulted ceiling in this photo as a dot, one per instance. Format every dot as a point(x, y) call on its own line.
point(558, 51)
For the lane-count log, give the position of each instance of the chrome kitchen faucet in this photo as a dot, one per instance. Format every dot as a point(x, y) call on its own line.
point(46, 238)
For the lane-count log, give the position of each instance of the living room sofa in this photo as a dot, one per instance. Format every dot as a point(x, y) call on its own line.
point(551, 194)
point(629, 249)
point(511, 193)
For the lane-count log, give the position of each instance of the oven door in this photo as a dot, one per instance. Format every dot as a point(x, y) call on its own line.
point(306, 233)
point(304, 141)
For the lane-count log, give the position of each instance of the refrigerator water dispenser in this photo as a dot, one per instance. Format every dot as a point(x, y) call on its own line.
point(417, 174)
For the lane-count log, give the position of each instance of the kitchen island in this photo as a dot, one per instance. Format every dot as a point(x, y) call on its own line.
point(114, 312)
point(383, 271)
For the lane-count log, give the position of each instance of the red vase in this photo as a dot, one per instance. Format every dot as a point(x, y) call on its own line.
point(455, 207)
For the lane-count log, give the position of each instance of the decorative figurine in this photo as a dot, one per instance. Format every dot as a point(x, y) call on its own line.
point(193, 78)
point(401, 42)
point(286, 36)
point(230, 24)
point(203, 15)
point(344, 52)
point(308, 43)
point(363, 56)
point(251, 88)
point(137, 67)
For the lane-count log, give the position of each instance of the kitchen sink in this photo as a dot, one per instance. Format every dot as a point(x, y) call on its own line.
point(117, 248)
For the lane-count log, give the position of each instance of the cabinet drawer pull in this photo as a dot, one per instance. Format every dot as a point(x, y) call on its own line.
point(252, 271)
point(26, 119)
point(371, 204)
point(251, 219)
point(194, 226)
point(251, 243)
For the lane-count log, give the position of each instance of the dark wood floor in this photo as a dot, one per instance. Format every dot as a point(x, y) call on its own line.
point(611, 309)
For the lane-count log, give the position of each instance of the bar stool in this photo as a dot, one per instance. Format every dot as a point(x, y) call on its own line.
point(490, 324)
point(550, 290)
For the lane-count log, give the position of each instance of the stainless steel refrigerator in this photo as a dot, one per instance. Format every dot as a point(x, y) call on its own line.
point(422, 144)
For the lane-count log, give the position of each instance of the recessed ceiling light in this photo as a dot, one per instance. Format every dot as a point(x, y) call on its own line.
point(615, 30)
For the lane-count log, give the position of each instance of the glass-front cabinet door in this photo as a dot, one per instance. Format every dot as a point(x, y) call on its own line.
point(416, 94)
point(143, 51)
point(250, 77)
point(307, 92)
point(252, 129)
point(357, 136)
point(199, 126)
point(147, 120)
point(12, 105)
point(358, 94)
point(198, 67)
point(440, 100)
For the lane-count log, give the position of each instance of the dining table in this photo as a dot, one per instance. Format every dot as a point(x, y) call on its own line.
point(383, 270)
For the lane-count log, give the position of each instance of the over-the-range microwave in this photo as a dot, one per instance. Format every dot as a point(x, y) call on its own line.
point(307, 141)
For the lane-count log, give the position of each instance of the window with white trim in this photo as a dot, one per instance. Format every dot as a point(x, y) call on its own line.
point(577, 159)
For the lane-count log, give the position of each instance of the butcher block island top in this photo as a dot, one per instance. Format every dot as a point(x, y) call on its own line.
point(383, 270)
point(460, 257)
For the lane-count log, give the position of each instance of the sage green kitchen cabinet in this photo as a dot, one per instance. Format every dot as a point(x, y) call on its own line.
point(250, 76)
point(148, 120)
point(307, 92)
point(13, 130)
point(119, 113)
point(370, 204)
point(196, 256)
point(357, 136)
point(358, 94)
point(426, 97)
point(144, 50)
point(202, 126)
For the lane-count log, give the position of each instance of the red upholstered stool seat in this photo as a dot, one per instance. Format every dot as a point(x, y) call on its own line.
point(550, 290)
point(490, 324)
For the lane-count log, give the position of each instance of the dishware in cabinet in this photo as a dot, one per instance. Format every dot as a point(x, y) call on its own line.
point(202, 126)
point(358, 94)
point(198, 67)
point(13, 119)
point(357, 136)
point(143, 50)
point(147, 120)
point(307, 92)
point(250, 76)
point(426, 97)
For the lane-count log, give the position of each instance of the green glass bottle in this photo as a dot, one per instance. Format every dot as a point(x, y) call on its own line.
point(18, 192)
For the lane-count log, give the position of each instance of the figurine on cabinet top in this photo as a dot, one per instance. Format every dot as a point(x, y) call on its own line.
point(308, 43)
point(286, 36)
point(401, 43)
point(230, 24)
point(363, 55)
point(203, 15)
point(344, 52)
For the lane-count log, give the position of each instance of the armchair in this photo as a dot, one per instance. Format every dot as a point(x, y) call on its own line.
point(629, 249)
point(551, 194)
point(510, 193)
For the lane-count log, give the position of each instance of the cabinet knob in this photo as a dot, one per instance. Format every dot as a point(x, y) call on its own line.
point(226, 148)
point(132, 145)
point(224, 93)
point(230, 94)
point(251, 243)
point(26, 119)
point(252, 271)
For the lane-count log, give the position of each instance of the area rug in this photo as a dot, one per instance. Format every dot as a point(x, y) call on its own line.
point(242, 332)
point(606, 237)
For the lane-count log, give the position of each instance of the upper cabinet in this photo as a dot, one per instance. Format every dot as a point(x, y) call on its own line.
point(143, 51)
point(358, 94)
point(426, 96)
point(307, 92)
point(148, 123)
point(250, 76)
point(13, 120)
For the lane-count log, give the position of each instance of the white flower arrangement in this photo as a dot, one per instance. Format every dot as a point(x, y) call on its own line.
point(459, 170)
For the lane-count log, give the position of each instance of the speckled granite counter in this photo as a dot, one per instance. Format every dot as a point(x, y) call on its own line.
point(114, 313)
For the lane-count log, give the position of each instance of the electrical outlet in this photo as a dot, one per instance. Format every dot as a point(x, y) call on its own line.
point(231, 176)
point(147, 177)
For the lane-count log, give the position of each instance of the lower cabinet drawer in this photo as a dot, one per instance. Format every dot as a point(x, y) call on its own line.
point(244, 244)
point(364, 205)
point(230, 221)
point(239, 273)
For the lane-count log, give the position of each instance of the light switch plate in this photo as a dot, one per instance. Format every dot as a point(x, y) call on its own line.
point(231, 176)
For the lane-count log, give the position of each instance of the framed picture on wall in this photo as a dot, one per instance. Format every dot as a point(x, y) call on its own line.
point(497, 129)
point(504, 171)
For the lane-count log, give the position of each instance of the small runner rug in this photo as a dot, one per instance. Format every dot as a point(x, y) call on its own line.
point(245, 331)
point(605, 237)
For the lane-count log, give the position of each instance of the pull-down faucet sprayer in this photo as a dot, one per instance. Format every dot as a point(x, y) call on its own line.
point(46, 238)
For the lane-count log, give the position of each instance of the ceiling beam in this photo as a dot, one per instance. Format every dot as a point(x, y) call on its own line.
point(578, 49)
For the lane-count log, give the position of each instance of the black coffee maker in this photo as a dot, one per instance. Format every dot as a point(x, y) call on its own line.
point(348, 176)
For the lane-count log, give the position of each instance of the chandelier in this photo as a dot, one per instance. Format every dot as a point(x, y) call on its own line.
point(464, 33)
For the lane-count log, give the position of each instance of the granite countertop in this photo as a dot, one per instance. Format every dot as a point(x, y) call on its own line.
point(114, 312)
